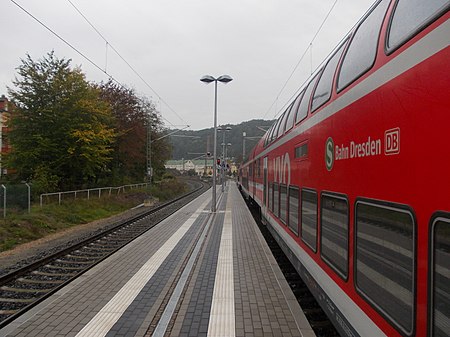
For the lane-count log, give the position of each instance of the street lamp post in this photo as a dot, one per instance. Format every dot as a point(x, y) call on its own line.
point(243, 145)
point(209, 79)
point(226, 157)
point(225, 130)
point(223, 162)
point(226, 150)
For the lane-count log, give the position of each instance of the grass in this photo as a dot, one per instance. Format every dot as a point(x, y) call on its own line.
point(19, 227)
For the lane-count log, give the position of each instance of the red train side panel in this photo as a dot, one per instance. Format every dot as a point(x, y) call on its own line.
point(357, 192)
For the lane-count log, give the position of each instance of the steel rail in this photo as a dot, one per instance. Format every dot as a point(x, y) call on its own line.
point(11, 277)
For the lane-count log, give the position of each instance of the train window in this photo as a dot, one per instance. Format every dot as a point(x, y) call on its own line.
point(283, 203)
point(269, 140)
point(293, 208)
point(265, 137)
point(323, 90)
point(269, 135)
point(272, 132)
point(304, 104)
point(280, 130)
point(283, 121)
point(301, 151)
point(440, 311)
point(276, 200)
point(360, 55)
point(293, 113)
point(309, 218)
point(410, 17)
point(271, 196)
point(275, 129)
point(334, 233)
point(385, 260)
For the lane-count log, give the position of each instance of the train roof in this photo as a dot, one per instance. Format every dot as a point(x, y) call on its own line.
point(311, 96)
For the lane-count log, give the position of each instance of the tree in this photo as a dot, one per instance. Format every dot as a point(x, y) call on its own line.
point(60, 128)
point(161, 150)
point(130, 124)
point(132, 117)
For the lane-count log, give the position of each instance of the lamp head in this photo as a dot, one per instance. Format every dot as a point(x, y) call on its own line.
point(207, 79)
point(224, 79)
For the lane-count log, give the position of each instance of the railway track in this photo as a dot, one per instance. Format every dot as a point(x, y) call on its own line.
point(23, 288)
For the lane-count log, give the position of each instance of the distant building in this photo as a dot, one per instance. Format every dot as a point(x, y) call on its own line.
point(233, 168)
point(4, 143)
point(198, 165)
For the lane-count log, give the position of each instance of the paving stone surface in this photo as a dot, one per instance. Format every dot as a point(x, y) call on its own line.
point(195, 310)
point(263, 303)
point(77, 304)
point(261, 308)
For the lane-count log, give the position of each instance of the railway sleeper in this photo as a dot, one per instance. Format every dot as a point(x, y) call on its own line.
point(83, 252)
point(43, 273)
point(17, 300)
point(83, 256)
point(50, 266)
point(20, 290)
point(34, 281)
point(8, 312)
point(75, 262)
point(98, 247)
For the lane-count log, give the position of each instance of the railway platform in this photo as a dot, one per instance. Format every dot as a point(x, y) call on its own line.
point(195, 274)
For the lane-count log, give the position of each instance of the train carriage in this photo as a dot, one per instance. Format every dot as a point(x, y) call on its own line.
point(352, 179)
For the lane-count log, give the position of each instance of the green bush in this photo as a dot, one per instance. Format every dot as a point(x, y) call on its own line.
point(19, 228)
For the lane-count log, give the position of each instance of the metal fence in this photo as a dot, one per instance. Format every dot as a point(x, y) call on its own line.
point(87, 193)
point(15, 196)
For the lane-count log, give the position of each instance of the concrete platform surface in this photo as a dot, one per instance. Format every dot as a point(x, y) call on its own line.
point(195, 274)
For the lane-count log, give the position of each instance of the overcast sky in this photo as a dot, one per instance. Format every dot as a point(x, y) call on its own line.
point(173, 43)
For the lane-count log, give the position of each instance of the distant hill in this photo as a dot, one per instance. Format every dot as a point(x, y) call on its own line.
point(188, 148)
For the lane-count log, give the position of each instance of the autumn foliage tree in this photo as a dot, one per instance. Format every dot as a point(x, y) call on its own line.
point(69, 133)
point(62, 133)
point(134, 116)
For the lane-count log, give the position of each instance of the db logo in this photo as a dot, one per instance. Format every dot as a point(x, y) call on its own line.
point(392, 141)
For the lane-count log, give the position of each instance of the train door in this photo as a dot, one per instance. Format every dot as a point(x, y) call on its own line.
point(265, 181)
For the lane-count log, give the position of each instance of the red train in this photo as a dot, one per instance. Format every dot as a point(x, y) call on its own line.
point(353, 179)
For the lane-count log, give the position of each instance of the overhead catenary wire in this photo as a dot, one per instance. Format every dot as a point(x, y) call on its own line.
point(65, 41)
point(300, 60)
point(75, 49)
point(125, 61)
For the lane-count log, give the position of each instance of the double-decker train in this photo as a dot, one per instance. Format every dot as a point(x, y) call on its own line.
point(353, 179)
